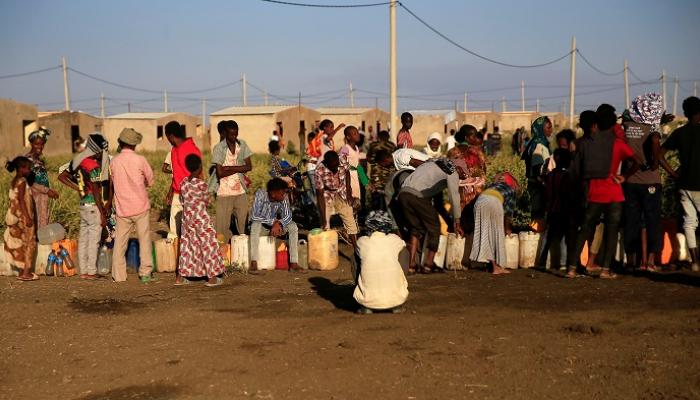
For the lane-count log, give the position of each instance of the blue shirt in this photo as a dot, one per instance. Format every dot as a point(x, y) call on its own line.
point(267, 211)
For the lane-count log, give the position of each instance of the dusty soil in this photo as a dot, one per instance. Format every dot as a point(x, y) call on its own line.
point(467, 335)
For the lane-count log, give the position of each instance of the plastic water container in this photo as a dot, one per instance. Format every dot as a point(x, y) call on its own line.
point(240, 252)
point(282, 258)
point(104, 261)
point(593, 247)
point(267, 253)
point(682, 247)
point(528, 249)
point(323, 250)
point(303, 249)
point(439, 259)
point(512, 243)
point(42, 256)
point(166, 255)
point(455, 252)
point(133, 256)
point(51, 233)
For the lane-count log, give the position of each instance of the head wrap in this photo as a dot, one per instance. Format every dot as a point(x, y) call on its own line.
point(428, 150)
point(538, 136)
point(379, 221)
point(647, 109)
point(41, 133)
point(508, 179)
point(96, 144)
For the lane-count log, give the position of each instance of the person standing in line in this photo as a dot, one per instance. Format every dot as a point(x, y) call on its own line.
point(535, 155)
point(20, 236)
point(199, 254)
point(451, 141)
point(686, 141)
point(182, 147)
point(131, 178)
point(231, 159)
point(271, 215)
point(325, 138)
point(41, 189)
point(350, 153)
point(404, 139)
point(91, 167)
point(333, 193)
point(605, 196)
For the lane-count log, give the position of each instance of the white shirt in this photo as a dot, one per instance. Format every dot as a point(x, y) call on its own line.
point(451, 142)
point(402, 158)
point(230, 185)
point(381, 284)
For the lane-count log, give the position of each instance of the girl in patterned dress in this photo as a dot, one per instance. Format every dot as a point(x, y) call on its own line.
point(20, 236)
point(199, 249)
point(41, 190)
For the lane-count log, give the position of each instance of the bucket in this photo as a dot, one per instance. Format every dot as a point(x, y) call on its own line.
point(323, 250)
point(240, 253)
point(440, 254)
point(512, 243)
point(133, 256)
point(166, 255)
point(528, 249)
point(50, 233)
point(267, 253)
point(455, 252)
point(303, 249)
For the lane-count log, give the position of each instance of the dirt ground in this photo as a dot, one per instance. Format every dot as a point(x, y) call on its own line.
point(464, 335)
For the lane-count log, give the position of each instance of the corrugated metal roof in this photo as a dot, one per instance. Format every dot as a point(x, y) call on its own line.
point(343, 110)
point(252, 110)
point(141, 115)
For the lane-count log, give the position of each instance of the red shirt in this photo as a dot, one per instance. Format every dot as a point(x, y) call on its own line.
point(179, 153)
point(607, 190)
point(404, 140)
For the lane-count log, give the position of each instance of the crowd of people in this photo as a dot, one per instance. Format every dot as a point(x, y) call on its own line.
point(392, 193)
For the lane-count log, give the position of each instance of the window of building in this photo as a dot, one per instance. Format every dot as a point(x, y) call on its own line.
point(27, 127)
point(159, 132)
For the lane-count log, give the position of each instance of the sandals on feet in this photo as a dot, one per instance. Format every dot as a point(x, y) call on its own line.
point(34, 277)
point(218, 282)
point(607, 274)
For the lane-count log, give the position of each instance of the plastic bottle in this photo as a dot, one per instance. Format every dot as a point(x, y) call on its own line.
point(66, 258)
point(50, 261)
point(104, 261)
point(59, 266)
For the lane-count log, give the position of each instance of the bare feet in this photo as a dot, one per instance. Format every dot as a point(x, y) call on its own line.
point(498, 270)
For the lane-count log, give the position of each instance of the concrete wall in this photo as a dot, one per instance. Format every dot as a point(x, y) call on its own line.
point(60, 124)
point(510, 121)
point(291, 123)
point(149, 129)
point(478, 119)
point(16, 121)
point(424, 125)
point(370, 117)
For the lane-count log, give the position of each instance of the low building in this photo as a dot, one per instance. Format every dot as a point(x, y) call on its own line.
point(152, 127)
point(256, 124)
point(66, 127)
point(426, 122)
point(478, 119)
point(17, 121)
point(360, 117)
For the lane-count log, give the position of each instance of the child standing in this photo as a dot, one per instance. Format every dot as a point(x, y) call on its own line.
point(403, 139)
point(20, 236)
point(277, 169)
point(350, 153)
point(199, 249)
point(561, 221)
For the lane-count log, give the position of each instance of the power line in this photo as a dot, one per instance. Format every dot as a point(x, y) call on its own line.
point(290, 3)
point(120, 85)
point(598, 70)
point(640, 80)
point(29, 72)
point(491, 60)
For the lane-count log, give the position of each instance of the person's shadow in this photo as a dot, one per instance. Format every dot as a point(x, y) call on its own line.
point(681, 278)
point(339, 295)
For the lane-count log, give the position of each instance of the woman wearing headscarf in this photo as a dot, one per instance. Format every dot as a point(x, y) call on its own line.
point(433, 147)
point(492, 214)
point(41, 190)
point(535, 155)
point(642, 189)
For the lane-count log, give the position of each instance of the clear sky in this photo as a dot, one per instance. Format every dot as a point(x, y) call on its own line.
point(183, 46)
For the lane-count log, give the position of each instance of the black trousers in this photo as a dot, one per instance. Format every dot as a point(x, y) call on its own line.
point(642, 210)
point(612, 214)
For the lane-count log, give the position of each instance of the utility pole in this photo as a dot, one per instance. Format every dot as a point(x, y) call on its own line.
point(663, 88)
point(102, 105)
point(466, 103)
point(572, 83)
point(204, 116)
point(537, 106)
point(265, 96)
point(627, 85)
point(676, 83)
point(522, 96)
point(244, 87)
point(66, 91)
point(393, 86)
point(352, 97)
point(165, 101)
point(503, 104)
point(376, 103)
point(695, 89)
point(128, 107)
point(299, 99)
